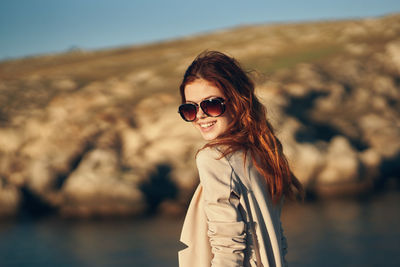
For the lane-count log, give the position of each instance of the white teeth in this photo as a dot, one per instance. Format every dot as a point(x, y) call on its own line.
point(205, 125)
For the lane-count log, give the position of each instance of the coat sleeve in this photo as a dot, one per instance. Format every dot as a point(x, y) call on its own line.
point(226, 228)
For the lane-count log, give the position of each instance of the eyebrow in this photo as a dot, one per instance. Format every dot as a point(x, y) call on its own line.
point(205, 98)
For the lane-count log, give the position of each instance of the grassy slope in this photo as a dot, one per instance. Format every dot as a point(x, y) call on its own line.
point(27, 83)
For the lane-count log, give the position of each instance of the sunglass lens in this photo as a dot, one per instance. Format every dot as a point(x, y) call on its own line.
point(188, 112)
point(213, 107)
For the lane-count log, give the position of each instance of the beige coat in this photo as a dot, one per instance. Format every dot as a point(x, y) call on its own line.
point(231, 220)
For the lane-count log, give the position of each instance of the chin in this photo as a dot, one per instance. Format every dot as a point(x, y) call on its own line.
point(209, 136)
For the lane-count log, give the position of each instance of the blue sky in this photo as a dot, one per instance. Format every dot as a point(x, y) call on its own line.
point(31, 27)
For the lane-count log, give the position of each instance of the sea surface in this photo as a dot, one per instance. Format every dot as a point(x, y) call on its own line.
point(321, 233)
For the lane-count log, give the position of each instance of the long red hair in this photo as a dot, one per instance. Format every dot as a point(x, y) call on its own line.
point(250, 130)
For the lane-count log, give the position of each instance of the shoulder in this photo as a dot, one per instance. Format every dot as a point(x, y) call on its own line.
point(213, 156)
point(208, 154)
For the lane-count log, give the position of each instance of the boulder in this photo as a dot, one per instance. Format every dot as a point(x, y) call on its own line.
point(98, 188)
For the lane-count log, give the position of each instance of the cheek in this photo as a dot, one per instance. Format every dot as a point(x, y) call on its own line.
point(228, 116)
point(225, 121)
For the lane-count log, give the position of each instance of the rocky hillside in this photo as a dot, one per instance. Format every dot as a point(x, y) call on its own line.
point(98, 134)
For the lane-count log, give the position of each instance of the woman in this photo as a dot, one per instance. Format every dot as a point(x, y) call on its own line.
point(234, 216)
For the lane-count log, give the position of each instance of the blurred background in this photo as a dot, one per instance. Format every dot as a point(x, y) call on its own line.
point(97, 168)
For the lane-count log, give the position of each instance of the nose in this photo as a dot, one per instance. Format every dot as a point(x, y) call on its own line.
point(200, 114)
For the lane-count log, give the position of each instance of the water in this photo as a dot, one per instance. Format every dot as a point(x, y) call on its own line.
point(324, 233)
point(345, 233)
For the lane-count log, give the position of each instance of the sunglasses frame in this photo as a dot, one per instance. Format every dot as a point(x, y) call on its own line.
point(222, 100)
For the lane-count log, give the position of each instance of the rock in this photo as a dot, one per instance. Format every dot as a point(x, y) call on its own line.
point(357, 49)
point(307, 163)
point(345, 174)
point(371, 161)
point(384, 85)
point(97, 188)
point(10, 199)
point(10, 140)
point(382, 134)
point(64, 84)
point(132, 142)
point(296, 89)
point(393, 56)
point(329, 103)
point(98, 140)
point(307, 75)
point(342, 163)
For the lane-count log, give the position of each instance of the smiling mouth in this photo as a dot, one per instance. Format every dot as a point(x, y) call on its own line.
point(207, 125)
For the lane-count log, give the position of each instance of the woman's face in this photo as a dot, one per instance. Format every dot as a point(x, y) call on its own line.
point(209, 127)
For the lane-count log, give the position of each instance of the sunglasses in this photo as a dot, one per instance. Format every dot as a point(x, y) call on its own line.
point(212, 107)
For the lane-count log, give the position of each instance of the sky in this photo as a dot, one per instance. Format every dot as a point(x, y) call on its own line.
point(34, 27)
